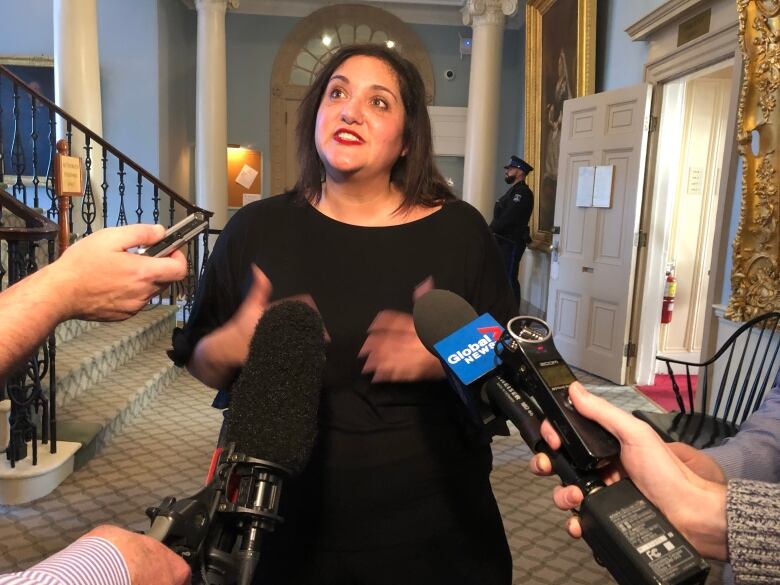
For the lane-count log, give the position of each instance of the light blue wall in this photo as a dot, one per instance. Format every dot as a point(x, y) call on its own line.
point(177, 65)
point(26, 27)
point(511, 121)
point(130, 78)
point(620, 60)
point(252, 44)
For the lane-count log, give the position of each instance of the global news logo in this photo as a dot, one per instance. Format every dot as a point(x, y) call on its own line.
point(473, 351)
point(470, 351)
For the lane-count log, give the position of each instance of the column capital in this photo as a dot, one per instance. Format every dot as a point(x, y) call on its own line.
point(222, 5)
point(476, 12)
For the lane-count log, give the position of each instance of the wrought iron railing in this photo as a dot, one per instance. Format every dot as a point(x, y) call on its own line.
point(116, 191)
point(31, 406)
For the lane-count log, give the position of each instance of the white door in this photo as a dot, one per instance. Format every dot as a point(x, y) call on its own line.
point(589, 299)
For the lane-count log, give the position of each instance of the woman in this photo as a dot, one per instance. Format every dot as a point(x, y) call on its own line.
point(398, 489)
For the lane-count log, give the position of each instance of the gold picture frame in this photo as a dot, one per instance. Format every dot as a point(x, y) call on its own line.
point(549, 59)
point(755, 276)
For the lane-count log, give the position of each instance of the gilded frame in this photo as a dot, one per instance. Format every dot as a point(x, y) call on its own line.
point(755, 276)
point(539, 122)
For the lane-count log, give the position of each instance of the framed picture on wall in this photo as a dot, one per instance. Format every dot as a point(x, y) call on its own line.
point(559, 65)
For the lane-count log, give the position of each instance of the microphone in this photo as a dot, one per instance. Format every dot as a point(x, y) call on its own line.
point(271, 428)
point(625, 531)
point(449, 328)
point(469, 352)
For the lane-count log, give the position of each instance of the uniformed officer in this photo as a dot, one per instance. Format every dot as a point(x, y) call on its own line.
point(510, 219)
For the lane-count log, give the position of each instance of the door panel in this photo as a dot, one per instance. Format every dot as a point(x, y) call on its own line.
point(568, 307)
point(589, 300)
point(574, 242)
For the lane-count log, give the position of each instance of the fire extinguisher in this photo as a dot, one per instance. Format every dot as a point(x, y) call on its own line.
point(670, 290)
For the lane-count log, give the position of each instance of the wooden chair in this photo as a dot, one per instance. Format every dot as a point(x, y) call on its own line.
point(746, 366)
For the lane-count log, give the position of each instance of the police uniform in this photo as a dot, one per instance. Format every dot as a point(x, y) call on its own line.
point(511, 215)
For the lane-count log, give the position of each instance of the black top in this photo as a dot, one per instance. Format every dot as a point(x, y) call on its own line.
point(512, 213)
point(381, 446)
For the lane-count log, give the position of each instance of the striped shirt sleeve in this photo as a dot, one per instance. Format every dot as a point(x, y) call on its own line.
point(88, 561)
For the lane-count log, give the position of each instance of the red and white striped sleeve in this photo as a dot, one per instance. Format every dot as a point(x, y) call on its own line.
point(88, 561)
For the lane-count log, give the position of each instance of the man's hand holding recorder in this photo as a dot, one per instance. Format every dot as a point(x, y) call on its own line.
point(695, 506)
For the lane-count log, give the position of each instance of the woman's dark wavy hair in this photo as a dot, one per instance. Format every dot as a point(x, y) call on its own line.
point(414, 174)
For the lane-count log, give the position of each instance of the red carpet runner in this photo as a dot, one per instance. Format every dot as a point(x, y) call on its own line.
point(662, 394)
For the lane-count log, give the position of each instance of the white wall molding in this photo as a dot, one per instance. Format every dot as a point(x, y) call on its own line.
point(448, 125)
point(661, 17)
point(708, 50)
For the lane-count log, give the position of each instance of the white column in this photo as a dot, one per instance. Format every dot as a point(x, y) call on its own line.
point(211, 110)
point(486, 18)
point(77, 84)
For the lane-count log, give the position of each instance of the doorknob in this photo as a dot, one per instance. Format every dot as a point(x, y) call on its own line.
point(554, 248)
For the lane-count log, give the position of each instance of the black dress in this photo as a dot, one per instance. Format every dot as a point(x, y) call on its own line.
point(397, 490)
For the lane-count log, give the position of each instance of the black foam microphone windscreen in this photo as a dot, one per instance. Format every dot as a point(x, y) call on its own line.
point(275, 399)
point(438, 313)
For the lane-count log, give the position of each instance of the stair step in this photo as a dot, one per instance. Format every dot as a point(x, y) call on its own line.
point(72, 329)
point(106, 374)
point(121, 394)
point(85, 434)
point(89, 358)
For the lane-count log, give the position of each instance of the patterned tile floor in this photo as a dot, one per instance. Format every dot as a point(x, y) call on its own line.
point(147, 462)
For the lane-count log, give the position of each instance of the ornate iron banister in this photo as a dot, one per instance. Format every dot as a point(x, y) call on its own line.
point(24, 387)
point(27, 162)
point(172, 193)
point(37, 227)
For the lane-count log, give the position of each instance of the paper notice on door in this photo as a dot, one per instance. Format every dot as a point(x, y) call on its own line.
point(602, 186)
point(585, 178)
point(246, 177)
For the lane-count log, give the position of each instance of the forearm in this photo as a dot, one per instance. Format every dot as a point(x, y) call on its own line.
point(217, 356)
point(88, 560)
point(29, 311)
point(754, 452)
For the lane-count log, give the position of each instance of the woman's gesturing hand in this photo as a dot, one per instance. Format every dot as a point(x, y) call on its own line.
point(394, 353)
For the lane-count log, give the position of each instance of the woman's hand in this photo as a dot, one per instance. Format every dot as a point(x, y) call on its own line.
point(241, 326)
point(219, 354)
point(694, 505)
point(394, 353)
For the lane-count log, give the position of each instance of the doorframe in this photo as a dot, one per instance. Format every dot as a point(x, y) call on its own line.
point(718, 47)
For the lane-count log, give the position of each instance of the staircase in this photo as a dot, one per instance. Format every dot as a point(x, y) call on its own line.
point(106, 375)
point(94, 378)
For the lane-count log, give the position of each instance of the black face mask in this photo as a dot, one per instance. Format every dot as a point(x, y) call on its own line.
point(509, 180)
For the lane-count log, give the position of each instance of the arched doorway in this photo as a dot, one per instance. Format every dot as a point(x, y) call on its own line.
point(313, 40)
